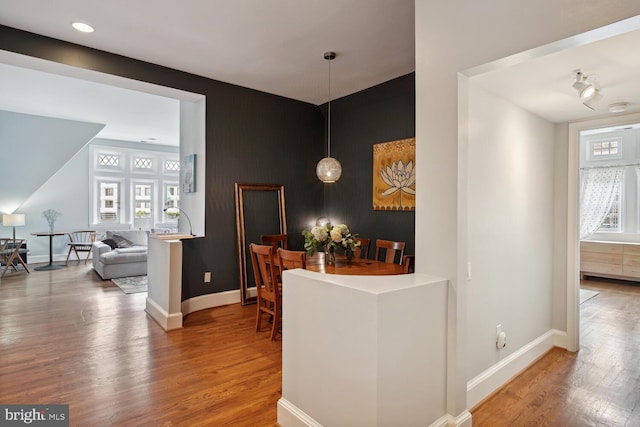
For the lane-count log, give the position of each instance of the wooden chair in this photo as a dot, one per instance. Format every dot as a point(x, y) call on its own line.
point(269, 297)
point(275, 240)
point(409, 263)
point(10, 255)
point(391, 249)
point(288, 260)
point(81, 241)
point(362, 251)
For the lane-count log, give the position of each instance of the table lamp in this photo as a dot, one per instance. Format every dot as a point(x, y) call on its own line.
point(11, 220)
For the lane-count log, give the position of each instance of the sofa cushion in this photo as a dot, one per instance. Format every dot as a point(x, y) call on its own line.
point(121, 242)
point(112, 243)
point(135, 237)
point(131, 250)
point(114, 257)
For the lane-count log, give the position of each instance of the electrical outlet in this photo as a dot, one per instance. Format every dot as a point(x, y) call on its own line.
point(501, 338)
point(207, 276)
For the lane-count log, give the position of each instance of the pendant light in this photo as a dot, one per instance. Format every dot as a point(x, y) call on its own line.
point(329, 169)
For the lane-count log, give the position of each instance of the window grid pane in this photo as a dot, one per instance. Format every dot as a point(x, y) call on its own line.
point(605, 148)
point(143, 200)
point(172, 165)
point(108, 203)
point(108, 160)
point(142, 163)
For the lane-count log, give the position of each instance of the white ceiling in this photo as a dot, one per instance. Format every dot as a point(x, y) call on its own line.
point(128, 115)
point(543, 85)
point(277, 46)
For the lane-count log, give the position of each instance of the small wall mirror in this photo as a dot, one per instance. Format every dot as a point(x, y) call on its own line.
point(259, 211)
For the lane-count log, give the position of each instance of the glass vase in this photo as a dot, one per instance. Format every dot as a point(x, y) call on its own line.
point(330, 255)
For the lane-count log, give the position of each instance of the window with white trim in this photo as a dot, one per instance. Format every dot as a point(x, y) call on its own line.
point(132, 186)
point(109, 201)
point(616, 148)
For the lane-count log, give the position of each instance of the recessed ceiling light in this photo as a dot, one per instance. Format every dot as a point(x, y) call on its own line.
point(81, 26)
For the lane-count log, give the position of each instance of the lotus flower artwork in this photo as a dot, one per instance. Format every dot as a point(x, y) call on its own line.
point(399, 177)
point(394, 175)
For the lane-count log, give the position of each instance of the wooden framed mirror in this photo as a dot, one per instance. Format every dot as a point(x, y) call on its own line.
point(259, 211)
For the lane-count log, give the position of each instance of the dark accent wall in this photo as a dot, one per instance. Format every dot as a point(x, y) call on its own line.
point(251, 137)
point(255, 137)
point(382, 113)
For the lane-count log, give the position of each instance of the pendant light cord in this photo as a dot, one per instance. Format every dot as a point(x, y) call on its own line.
point(329, 116)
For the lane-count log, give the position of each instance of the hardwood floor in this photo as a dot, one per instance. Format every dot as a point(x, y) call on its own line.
point(67, 337)
point(597, 386)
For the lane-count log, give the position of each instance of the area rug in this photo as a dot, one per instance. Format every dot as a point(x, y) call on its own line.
point(131, 285)
point(586, 294)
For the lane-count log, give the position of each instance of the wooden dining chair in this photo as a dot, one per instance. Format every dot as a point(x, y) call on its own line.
point(275, 240)
point(391, 248)
point(10, 255)
point(81, 241)
point(268, 288)
point(362, 251)
point(288, 260)
point(409, 263)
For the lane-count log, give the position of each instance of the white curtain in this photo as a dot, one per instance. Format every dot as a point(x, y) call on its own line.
point(598, 190)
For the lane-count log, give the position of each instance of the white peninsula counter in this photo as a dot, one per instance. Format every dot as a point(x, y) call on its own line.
point(363, 350)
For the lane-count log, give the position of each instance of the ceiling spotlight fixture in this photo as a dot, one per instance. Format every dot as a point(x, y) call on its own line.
point(587, 91)
point(592, 102)
point(329, 169)
point(618, 107)
point(82, 27)
point(584, 88)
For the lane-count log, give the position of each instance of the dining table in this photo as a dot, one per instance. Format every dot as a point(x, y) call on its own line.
point(353, 267)
point(50, 234)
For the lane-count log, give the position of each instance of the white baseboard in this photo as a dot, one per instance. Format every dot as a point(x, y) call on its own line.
point(480, 387)
point(447, 420)
point(213, 300)
point(209, 301)
point(289, 415)
point(57, 258)
point(165, 320)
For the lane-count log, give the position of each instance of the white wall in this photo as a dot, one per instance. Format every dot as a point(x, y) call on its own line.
point(192, 141)
point(561, 156)
point(66, 191)
point(510, 227)
point(452, 37)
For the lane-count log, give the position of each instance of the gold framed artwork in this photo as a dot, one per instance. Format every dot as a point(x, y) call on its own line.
point(394, 175)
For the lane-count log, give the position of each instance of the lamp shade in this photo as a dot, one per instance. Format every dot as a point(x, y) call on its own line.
point(328, 170)
point(13, 220)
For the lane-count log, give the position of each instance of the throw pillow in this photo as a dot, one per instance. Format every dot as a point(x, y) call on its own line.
point(121, 242)
point(112, 243)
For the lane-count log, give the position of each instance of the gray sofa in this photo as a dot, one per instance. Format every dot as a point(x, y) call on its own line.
point(121, 253)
